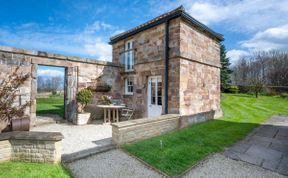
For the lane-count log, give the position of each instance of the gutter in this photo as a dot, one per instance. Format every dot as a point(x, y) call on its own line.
point(166, 66)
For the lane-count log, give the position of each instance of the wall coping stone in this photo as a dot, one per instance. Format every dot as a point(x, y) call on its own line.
point(54, 56)
point(27, 135)
point(144, 120)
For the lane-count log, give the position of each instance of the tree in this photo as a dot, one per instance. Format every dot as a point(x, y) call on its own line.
point(225, 70)
point(8, 93)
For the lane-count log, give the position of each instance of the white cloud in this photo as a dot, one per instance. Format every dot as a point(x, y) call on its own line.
point(235, 55)
point(269, 39)
point(92, 41)
point(241, 16)
point(49, 73)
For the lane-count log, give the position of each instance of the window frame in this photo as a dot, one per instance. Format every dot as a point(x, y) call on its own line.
point(128, 56)
point(127, 92)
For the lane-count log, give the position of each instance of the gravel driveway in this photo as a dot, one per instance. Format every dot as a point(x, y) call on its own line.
point(114, 163)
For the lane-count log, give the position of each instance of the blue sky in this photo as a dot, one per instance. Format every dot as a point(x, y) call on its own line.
point(83, 28)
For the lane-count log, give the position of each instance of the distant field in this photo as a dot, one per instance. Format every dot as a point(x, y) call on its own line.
point(51, 105)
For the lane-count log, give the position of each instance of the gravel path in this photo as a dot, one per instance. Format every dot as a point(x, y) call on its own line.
point(78, 138)
point(219, 166)
point(114, 163)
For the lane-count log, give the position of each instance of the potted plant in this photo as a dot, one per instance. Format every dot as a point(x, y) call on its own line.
point(84, 97)
point(106, 100)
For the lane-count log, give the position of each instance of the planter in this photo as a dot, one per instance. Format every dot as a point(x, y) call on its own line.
point(20, 124)
point(82, 118)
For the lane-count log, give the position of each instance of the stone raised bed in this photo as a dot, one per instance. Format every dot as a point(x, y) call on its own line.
point(41, 147)
point(139, 129)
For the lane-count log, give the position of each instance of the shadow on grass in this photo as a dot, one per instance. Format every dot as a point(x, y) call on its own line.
point(57, 109)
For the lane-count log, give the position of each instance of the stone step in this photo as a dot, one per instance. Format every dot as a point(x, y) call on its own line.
point(67, 158)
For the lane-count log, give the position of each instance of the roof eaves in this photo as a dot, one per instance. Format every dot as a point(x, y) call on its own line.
point(199, 24)
point(161, 19)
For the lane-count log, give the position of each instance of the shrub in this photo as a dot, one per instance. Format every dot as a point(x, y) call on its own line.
point(84, 97)
point(233, 89)
point(105, 100)
point(9, 90)
point(54, 92)
point(284, 95)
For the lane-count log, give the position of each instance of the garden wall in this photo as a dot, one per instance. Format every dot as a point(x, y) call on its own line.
point(101, 76)
point(139, 129)
point(40, 147)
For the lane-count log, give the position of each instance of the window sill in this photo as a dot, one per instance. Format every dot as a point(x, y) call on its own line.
point(128, 94)
point(128, 72)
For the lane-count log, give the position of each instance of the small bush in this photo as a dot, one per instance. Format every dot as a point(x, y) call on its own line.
point(84, 97)
point(284, 95)
point(54, 92)
point(233, 89)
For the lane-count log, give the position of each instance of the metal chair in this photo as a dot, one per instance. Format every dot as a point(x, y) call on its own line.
point(127, 114)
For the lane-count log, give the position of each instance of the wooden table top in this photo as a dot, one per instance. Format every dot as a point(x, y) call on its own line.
point(111, 106)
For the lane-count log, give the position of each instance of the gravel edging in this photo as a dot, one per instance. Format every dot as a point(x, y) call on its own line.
point(145, 163)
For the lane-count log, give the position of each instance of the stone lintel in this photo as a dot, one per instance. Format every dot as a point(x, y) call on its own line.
point(54, 56)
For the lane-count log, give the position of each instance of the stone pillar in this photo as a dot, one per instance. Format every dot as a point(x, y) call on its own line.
point(33, 94)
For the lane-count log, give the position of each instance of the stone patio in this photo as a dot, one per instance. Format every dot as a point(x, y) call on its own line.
point(79, 141)
point(266, 146)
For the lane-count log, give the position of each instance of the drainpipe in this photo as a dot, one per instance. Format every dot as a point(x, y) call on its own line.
point(166, 66)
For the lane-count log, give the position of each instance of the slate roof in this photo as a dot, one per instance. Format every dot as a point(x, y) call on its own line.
point(180, 11)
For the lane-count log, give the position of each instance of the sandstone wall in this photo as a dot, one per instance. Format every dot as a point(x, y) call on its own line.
point(149, 61)
point(199, 72)
point(39, 147)
point(90, 73)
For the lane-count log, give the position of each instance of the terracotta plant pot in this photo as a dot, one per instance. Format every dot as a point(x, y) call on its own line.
point(82, 118)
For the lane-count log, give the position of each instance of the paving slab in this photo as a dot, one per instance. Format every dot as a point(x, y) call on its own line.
point(266, 146)
point(220, 166)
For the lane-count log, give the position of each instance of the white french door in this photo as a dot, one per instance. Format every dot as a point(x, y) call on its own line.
point(154, 96)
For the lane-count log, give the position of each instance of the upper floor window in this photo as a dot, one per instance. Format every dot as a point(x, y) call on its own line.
point(129, 56)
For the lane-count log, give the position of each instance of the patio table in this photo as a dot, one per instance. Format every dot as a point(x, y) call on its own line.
point(107, 112)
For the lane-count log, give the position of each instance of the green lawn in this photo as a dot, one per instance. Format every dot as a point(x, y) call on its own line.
point(32, 170)
point(51, 105)
point(184, 148)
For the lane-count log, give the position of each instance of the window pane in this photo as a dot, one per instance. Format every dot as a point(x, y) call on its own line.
point(159, 101)
point(153, 93)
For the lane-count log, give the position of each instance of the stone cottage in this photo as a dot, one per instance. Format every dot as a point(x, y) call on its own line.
point(170, 64)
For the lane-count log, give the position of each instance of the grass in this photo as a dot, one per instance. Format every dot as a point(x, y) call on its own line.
point(51, 105)
point(184, 148)
point(32, 170)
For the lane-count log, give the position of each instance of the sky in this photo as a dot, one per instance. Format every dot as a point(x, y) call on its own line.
point(83, 27)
